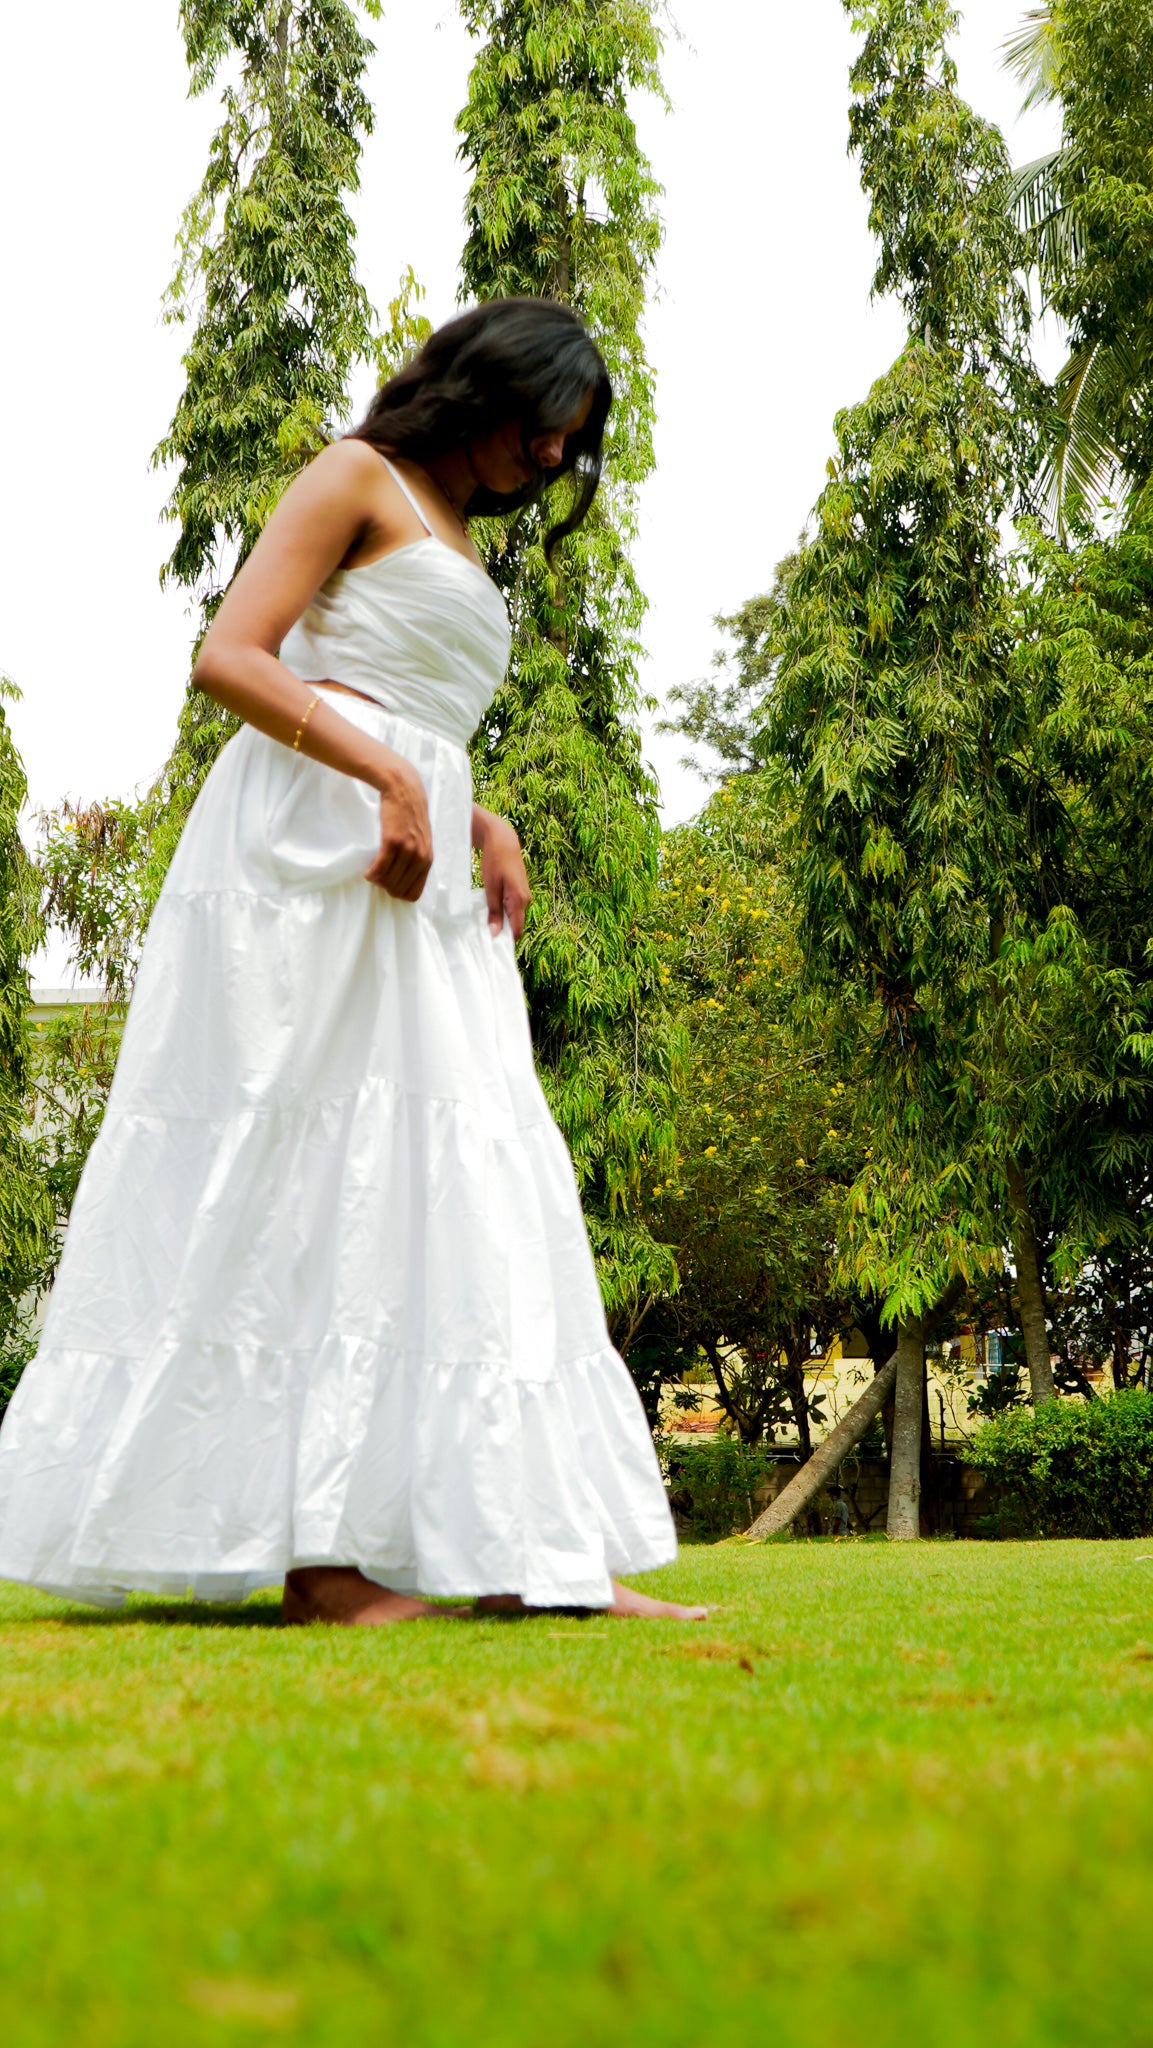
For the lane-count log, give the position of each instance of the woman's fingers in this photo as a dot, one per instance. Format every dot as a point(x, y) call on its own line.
point(505, 898)
point(493, 895)
point(400, 871)
point(402, 865)
point(506, 889)
point(516, 904)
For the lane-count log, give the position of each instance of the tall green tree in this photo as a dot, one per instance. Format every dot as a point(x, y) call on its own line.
point(27, 1211)
point(768, 1137)
point(266, 279)
point(1069, 1052)
point(266, 282)
point(562, 202)
point(891, 703)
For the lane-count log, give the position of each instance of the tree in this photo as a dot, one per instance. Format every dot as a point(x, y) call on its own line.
point(563, 203)
point(27, 1217)
point(1086, 209)
point(266, 270)
point(724, 712)
point(767, 1137)
point(890, 702)
point(1068, 1057)
point(266, 278)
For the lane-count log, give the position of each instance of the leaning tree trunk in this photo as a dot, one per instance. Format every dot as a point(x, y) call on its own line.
point(904, 1523)
point(1030, 1289)
point(806, 1484)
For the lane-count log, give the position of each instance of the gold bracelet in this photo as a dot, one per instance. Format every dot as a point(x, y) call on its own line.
point(304, 721)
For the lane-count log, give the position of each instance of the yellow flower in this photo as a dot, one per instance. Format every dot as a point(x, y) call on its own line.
point(798, 1162)
point(709, 1150)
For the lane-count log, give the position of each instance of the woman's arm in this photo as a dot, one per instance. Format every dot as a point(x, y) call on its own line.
point(320, 518)
point(502, 870)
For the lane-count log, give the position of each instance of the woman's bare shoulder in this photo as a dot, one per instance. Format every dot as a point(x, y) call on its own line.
point(343, 487)
point(352, 453)
point(349, 461)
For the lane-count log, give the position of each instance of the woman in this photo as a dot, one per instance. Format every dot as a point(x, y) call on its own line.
point(327, 1310)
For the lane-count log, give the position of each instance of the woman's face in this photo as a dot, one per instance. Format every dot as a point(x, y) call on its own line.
point(499, 460)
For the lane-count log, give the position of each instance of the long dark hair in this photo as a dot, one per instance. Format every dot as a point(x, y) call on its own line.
point(530, 360)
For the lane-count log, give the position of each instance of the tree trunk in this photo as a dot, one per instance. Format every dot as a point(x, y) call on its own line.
point(904, 1523)
point(930, 1473)
point(1030, 1289)
point(806, 1484)
point(798, 1400)
point(747, 1427)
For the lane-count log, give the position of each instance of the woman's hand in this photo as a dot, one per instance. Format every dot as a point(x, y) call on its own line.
point(401, 867)
point(502, 871)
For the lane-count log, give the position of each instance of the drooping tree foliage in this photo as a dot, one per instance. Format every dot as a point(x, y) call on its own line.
point(27, 1214)
point(266, 280)
point(562, 202)
point(266, 272)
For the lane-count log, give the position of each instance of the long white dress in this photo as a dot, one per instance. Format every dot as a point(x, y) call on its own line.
point(327, 1294)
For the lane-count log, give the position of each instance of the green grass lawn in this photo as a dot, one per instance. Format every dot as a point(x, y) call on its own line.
point(883, 1795)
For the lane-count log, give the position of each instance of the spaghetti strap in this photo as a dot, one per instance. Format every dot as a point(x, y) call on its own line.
point(409, 494)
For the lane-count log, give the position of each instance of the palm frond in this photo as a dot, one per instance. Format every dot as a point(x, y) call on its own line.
point(1035, 196)
point(1093, 390)
point(1033, 52)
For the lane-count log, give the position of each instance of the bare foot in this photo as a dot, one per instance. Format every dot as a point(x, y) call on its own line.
point(630, 1606)
point(627, 1606)
point(342, 1596)
point(500, 1603)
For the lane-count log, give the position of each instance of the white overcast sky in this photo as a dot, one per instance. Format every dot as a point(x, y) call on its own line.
point(761, 328)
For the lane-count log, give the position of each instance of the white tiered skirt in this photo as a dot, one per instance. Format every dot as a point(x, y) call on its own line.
point(327, 1294)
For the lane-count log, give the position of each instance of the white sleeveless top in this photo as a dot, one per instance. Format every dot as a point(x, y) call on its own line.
point(422, 631)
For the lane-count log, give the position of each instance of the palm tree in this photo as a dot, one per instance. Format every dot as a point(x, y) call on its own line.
point(1101, 381)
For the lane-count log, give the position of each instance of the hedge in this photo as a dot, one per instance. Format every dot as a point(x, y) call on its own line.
point(1070, 1468)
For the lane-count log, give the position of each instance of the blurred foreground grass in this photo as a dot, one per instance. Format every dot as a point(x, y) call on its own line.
point(882, 1794)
